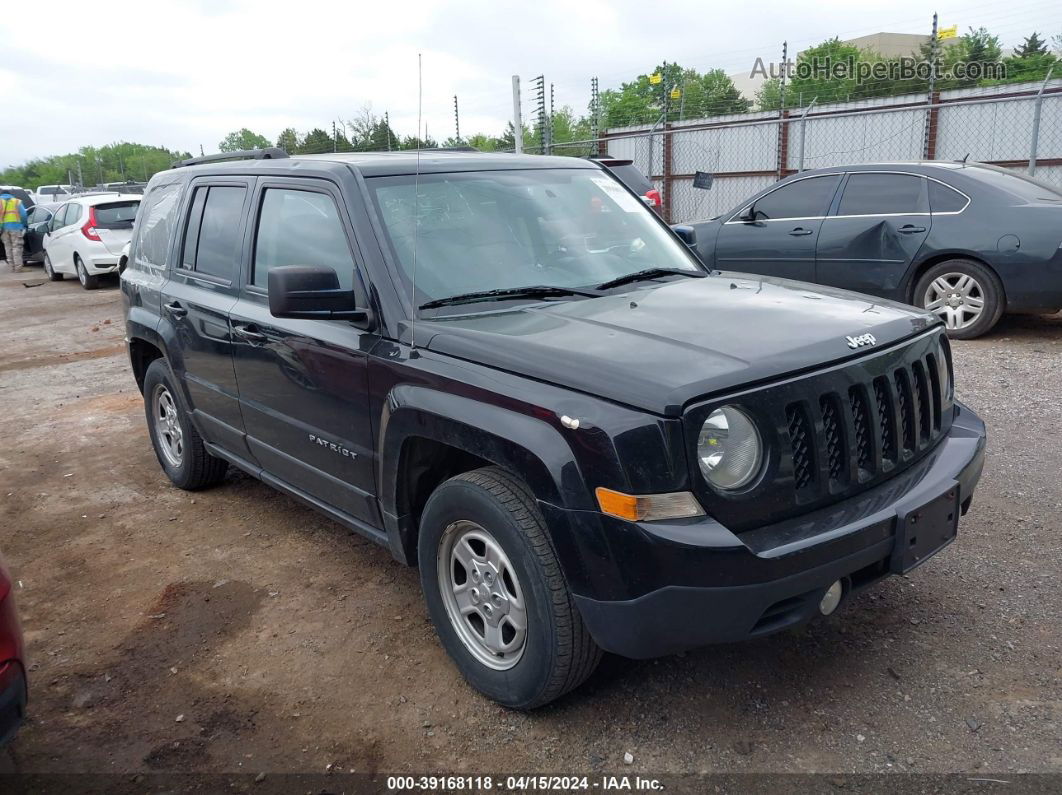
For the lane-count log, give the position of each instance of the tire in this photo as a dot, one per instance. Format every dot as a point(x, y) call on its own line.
point(178, 445)
point(55, 277)
point(555, 652)
point(88, 280)
point(950, 290)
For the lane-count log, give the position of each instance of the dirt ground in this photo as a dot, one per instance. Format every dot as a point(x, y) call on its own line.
point(234, 630)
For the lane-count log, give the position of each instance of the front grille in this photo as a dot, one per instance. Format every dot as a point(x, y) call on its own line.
point(800, 444)
point(834, 433)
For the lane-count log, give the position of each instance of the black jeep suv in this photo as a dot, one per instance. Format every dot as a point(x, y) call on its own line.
point(512, 373)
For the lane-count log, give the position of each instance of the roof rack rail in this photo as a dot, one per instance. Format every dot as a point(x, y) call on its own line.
point(270, 153)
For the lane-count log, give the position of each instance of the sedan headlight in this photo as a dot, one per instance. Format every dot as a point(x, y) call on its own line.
point(729, 450)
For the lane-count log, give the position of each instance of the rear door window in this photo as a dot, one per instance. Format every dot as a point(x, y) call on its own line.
point(73, 214)
point(116, 215)
point(883, 194)
point(300, 227)
point(212, 239)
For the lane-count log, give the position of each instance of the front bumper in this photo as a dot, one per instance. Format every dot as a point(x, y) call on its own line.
point(650, 589)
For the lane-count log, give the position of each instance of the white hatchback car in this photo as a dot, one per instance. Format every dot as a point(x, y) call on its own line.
point(86, 236)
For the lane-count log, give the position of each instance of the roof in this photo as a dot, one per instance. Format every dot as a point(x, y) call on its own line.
point(101, 197)
point(374, 164)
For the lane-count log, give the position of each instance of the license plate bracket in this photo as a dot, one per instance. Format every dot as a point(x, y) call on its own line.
point(925, 530)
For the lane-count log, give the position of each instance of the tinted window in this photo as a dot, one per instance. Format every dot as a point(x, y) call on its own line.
point(1018, 186)
point(116, 215)
point(943, 199)
point(156, 220)
point(878, 194)
point(801, 199)
point(219, 231)
point(191, 232)
point(298, 227)
point(630, 176)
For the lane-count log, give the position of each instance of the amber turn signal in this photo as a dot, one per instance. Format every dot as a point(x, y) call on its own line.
point(647, 507)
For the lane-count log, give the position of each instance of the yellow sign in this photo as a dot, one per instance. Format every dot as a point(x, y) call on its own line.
point(948, 33)
point(676, 93)
point(655, 78)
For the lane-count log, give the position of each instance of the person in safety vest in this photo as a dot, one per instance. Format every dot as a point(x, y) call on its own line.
point(12, 227)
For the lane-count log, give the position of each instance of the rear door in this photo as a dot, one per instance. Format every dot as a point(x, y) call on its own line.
point(60, 242)
point(880, 222)
point(304, 383)
point(196, 299)
point(779, 236)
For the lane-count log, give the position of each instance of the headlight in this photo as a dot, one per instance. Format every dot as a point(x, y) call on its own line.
point(729, 450)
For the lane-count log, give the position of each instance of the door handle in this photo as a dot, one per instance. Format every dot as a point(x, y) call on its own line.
point(908, 229)
point(176, 309)
point(248, 333)
point(800, 231)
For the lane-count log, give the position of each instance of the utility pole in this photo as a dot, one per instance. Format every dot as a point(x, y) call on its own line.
point(387, 129)
point(201, 153)
point(595, 108)
point(549, 138)
point(785, 73)
point(934, 45)
point(80, 177)
point(335, 141)
point(518, 121)
point(539, 84)
point(457, 121)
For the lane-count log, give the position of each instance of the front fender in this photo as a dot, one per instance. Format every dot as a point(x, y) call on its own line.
point(528, 446)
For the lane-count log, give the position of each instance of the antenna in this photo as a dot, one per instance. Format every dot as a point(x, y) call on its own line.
point(416, 212)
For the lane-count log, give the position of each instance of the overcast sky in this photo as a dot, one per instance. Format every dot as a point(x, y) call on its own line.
point(181, 74)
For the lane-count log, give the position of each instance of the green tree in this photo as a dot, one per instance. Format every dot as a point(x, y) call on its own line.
point(643, 101)
point(288, 140)
point(243, 139)
point(1033, 45)
point(316, 142)
point(115, 162)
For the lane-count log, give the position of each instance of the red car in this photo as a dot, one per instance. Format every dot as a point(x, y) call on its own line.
point(13, 690)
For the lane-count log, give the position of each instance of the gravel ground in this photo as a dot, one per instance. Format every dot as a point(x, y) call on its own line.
point(234, 630)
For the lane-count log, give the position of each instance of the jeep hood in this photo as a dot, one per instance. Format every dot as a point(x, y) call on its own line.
point(660, 345)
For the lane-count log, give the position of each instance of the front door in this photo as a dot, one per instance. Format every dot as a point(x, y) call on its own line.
point(196, 300)
point(881, 221)
point(775, 235)
point(303, 383)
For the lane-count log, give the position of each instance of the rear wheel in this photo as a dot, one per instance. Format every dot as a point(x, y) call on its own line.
point(178, 445)
point(88, 280)
point(965, 294)
point(55, 277)
point(496, 594)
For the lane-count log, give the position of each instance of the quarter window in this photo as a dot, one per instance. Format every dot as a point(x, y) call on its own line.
point(882, 194)
point(299, 227)
point(943, 199)
point(157, 215)
point(805, 198)
point(212, 239)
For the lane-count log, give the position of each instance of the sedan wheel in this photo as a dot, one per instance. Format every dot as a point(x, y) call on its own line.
point(956, 298)
point(88, 280)
point(48, 269)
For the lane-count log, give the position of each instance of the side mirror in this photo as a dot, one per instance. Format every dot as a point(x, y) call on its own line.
point(313, 292)
point(749, 213)
point(687, 233)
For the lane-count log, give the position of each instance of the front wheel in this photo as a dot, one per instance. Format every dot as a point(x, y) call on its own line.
point(965, 294)
point(48, 269)
point(178, 445)
point(496, 594)
point(88, 280)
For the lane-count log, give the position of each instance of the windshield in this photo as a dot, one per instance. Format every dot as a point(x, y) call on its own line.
point(497, 230)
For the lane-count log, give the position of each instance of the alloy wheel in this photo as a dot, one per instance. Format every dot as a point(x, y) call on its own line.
point(957, 298)
point(167, 425)
point(482, 595)
point(82, 275)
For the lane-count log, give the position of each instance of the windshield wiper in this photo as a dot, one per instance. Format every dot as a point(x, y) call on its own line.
point(650, 273)
point(537, 291)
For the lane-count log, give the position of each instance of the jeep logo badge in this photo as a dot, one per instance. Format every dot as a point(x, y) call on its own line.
point(860, 341)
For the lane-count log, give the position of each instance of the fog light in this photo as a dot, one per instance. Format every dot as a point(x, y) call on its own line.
point(832, 598)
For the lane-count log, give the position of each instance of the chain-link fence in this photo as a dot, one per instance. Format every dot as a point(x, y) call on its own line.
point(1016, 126)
